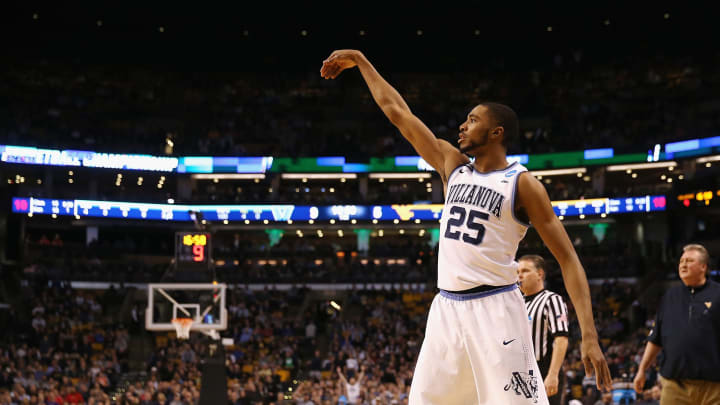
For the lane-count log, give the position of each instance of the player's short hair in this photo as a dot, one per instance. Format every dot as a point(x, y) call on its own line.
point(536, 260)
point(505, 117)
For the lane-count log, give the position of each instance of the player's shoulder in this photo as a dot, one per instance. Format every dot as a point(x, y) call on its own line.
point(530, 191)
point(515, 168)
point(525, 176)
point(528, 184)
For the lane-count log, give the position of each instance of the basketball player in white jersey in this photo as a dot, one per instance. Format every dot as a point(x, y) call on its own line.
point(477, 347)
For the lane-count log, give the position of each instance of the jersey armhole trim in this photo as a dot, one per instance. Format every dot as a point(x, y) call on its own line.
point(514, 196)
point(453, 171)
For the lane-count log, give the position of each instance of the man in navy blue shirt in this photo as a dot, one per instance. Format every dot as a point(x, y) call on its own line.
point(687, 334)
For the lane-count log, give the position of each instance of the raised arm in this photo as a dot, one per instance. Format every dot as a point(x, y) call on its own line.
point(342, 376)
point(362, 374)
point(439, 153)
point(534, 200)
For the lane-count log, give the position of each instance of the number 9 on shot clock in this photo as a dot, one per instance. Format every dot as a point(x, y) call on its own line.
point(192, 249)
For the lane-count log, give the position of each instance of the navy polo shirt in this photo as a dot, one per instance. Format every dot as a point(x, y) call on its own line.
point(687, 328)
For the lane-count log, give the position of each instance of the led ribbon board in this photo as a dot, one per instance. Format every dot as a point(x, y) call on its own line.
point(332, 164)
point(269, 164)
point(82, 158)
point(692, 147)
point(285, 212)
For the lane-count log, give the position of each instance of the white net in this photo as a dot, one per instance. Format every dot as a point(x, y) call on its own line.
point(182, 327)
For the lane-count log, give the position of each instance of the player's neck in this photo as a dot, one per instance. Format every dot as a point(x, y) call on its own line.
point(490, 162)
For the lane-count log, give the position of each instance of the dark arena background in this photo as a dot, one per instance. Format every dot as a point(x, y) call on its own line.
point(199, 144)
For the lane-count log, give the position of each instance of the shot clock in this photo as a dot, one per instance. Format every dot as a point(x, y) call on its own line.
point(192, 250)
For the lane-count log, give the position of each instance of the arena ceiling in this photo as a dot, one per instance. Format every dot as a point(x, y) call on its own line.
point(415, 36)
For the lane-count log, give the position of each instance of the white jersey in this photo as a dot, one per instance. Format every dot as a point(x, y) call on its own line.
point(479, 233)
point(353, 392)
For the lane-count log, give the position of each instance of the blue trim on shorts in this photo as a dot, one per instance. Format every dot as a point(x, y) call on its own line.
point(468, 297)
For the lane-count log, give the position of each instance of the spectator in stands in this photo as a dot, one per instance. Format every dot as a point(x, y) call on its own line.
point(385, 336)
point(57, 240)
point(573, 104)
point(353, 386)
point(44, 240)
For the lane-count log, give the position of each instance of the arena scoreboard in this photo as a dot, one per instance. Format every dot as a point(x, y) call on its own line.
point(193, 250)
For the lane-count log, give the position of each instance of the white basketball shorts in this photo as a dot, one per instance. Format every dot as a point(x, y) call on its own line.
point(478, 350)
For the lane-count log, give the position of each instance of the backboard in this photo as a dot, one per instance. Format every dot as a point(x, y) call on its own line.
point(203, 302)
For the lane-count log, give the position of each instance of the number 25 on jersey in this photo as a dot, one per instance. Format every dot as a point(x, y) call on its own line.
point(471, 219)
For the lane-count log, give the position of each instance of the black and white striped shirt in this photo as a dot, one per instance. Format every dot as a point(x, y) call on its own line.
point(548, 317)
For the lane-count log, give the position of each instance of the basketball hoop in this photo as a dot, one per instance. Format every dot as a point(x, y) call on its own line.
point(182, 327)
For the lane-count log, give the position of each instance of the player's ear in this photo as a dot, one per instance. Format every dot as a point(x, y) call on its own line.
point(497, 134)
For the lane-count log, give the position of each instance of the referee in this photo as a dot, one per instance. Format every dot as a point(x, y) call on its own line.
point(687, 336)
point(548, 319)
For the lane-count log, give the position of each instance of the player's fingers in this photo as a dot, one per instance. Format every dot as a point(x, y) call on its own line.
point(337, 57)
point(588, 366)
point(597, 365)
point(333, 56)
point(327, 70)
point(334, 71)
point(608, 378)
point(606, 372)
point(327, 73)
point(602, 375)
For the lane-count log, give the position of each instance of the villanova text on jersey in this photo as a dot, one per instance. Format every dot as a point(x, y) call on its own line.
point(480, 196)
point(479, 233)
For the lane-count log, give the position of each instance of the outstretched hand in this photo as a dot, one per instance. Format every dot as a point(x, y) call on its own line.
point(595, 363)
point(338, 61)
